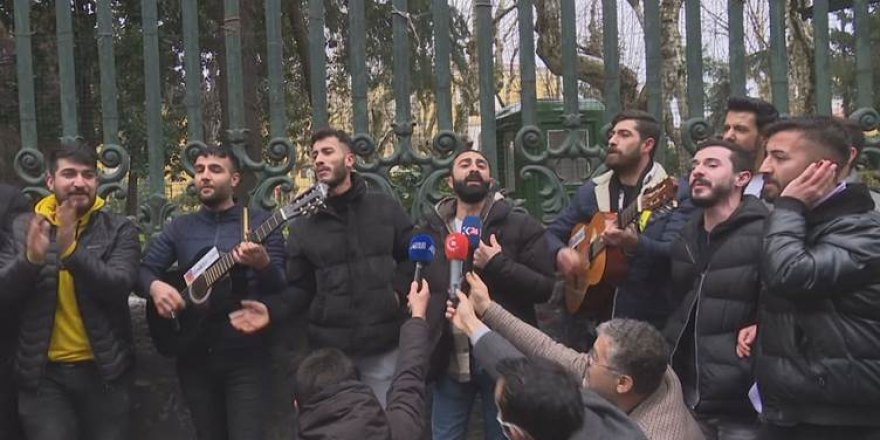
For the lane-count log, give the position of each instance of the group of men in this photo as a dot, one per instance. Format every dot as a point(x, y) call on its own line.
point(739, 317)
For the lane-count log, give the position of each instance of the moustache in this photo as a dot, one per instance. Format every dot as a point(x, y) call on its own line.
point(701, 182)
point(473, 177)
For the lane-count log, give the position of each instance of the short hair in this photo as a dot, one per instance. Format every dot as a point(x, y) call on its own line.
point(222, 151)
point(765, 113)
point(742, 159)
point(855, 135)
point(646, 124)
point(639, 351)
point(541, 397)
point(74, 152)
point(821, 132)
point(328, 132)
point(324, 367)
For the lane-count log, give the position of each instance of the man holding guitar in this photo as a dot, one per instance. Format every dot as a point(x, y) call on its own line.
point(641, 294)
point(223, 367)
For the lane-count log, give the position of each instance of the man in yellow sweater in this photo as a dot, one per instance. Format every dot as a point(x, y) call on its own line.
point(70, 269)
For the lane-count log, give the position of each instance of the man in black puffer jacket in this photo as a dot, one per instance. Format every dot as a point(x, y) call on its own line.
point(72, 268)
point(715, 270)
point(818, 355)
point(348, 265)
point(513, 258)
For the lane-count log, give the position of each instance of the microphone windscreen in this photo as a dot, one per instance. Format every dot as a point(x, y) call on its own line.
point(422, 249)
point(472, 227)
point(456, 246)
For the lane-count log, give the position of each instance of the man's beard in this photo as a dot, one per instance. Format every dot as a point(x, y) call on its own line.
point(216, 198)
point(337, 177)
point(468, 193)
point(716, 193)
point(80, 209)
point(623, 161)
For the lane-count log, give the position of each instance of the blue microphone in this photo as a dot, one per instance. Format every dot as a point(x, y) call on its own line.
point(421, 252)
point(472, 227)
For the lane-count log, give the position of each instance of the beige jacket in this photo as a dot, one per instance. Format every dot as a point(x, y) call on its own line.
point(662, 415)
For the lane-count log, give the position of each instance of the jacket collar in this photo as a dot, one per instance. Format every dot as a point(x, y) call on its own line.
point(854, 199)
point(444, 210)
point(749, 210)
point(47, 205)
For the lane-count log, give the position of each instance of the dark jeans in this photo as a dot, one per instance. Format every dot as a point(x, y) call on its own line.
point(227, 396)
point(10, 427)
point(74, 402)
point(729, 427)
point(817, 432)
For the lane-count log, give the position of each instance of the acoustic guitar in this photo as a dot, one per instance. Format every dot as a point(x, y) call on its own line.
point(175, 335)
point(591, 288)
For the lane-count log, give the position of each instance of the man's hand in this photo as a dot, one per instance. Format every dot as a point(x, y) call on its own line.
point(486, 252)
point(66, 215)
point(253, 316)
point(745, 339)
point(38, 239)
point(568, 261)
point(815, 182)
point(462, 316)
point(479, 293)
point(166, 298)
point(251, 254)
point(626, 239)
point(418, 299)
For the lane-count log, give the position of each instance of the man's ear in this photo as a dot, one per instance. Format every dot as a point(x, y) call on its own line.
point(742, 178)
point(236, 179)
point(350, 160)
point(624, 384)
point(650, 145)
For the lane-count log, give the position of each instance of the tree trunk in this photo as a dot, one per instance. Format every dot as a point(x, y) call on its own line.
point(802, 92)
point(590, 68)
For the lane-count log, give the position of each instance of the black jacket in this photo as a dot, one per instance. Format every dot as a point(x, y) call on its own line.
point(348, 264)
point(349, 410)
point(184, 238)
point(518, 278)
point(12, 203)
point(818, 357)
point(719, 284)
point(104, 268)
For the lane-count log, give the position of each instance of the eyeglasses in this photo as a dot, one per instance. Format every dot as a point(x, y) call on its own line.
point(508, 428)
point(591, 360)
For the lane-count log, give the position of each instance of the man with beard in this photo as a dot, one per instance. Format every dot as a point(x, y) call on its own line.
point(743, 122)
point(223, 373)
point(512, 258)
point(643, 294)
point(817, 366)
point(71, 268)
point(715, 264)
point(348, 264)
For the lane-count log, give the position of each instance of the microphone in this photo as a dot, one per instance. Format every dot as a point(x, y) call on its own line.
point(456, 253)
point(472, 227)
point(421, 252)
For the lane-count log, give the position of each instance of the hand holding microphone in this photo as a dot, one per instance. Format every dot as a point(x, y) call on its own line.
point(421, 252)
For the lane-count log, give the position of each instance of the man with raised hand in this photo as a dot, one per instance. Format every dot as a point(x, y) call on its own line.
point(71, 268)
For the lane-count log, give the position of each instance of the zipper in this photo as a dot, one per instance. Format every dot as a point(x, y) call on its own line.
point(695, 303)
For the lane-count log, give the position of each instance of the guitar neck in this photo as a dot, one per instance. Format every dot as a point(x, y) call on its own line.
point(628, 215)
point(225, 262)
